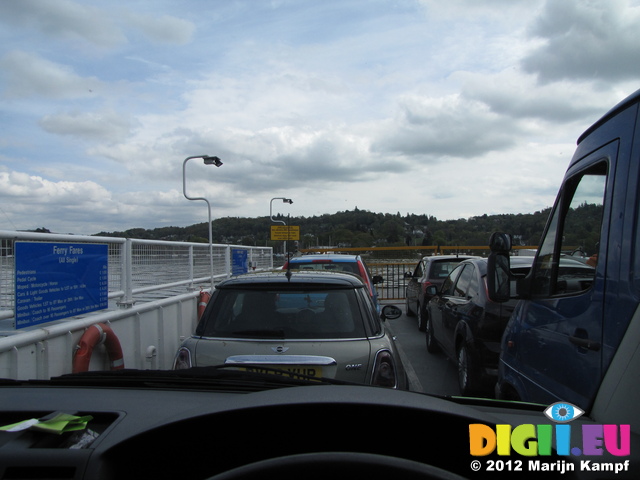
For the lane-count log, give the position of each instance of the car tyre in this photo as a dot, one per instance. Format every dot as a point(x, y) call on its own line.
point(432, 345)
point(468, 371)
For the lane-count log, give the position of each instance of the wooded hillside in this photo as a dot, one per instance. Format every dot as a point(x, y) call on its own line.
point(361, 228)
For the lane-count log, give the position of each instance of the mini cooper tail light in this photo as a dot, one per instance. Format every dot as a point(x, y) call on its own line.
point(183, 359)
point(384, 370)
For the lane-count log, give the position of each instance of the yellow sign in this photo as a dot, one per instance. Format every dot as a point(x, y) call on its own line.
point(285, 232)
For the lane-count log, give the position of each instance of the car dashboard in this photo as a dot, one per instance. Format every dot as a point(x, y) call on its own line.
point(158, 432)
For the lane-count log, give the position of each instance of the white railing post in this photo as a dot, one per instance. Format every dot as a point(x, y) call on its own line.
point(126, 275)
point(191, 271)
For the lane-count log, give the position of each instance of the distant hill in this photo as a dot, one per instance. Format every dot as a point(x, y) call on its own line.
point(361, 228)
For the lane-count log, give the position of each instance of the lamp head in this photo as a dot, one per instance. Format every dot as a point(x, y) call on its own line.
point(208, 160)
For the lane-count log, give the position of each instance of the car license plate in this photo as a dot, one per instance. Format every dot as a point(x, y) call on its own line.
point(292, 371)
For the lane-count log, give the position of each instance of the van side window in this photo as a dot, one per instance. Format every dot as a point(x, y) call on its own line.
point(569, 252)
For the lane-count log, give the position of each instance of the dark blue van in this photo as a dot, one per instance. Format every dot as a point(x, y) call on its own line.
point(576, 321)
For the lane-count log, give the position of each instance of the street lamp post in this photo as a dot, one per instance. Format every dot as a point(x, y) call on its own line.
point(208, 160)
point(284, 200)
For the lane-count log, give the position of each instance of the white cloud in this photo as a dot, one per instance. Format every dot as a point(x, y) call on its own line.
point(28, 75)
point(517, 96)
point(106, 126)
point(31, 190)
point(448, 108)
point(449, 126)
point(164, 29)
point(102, 26)
point(64, 19)
point(592, 40)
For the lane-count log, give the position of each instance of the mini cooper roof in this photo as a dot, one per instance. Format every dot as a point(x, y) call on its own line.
point(296, 277)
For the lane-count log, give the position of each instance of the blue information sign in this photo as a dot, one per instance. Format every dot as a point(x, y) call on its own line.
point(239, 263)
point(59, 280)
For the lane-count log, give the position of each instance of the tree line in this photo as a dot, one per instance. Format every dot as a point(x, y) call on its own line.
point(361, 228)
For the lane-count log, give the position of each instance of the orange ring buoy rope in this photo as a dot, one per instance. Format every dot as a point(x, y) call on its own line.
point(96, 335)
point(203, 299)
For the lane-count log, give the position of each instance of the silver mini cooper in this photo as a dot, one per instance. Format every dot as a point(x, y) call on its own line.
point(301, 324)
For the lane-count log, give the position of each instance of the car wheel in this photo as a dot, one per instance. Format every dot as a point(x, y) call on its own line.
point(432, 345)
point(468, 372)
point(421, 315)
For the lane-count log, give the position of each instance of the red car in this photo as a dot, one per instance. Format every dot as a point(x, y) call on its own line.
point(338, 263)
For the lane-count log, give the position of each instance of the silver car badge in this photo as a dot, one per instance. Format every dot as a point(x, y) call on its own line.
point(280, 349)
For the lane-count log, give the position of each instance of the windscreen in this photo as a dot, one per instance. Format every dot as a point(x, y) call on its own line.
point(286, 314)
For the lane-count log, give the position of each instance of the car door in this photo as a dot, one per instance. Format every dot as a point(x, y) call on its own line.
point(440, 311)
point(456, 306)
point(413, 287)
point(558, 332)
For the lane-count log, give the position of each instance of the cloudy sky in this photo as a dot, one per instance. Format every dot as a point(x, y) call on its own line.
point(449, 108)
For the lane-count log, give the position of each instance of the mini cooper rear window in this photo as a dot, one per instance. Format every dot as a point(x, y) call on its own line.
point(290, 314)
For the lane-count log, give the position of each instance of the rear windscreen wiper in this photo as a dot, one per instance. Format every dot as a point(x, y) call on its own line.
point(222, 376)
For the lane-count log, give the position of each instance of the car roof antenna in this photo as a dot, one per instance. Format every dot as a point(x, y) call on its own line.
point(288, 274)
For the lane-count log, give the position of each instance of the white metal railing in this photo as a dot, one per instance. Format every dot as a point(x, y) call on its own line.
point(139, 270)
point(153, 301)
point(149, 334)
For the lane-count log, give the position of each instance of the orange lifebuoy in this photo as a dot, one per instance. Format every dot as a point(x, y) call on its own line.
point(203, 299)
point(96, 335)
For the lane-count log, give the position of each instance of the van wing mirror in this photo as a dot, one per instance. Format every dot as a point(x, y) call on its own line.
point(498, 268)
point(500, 243)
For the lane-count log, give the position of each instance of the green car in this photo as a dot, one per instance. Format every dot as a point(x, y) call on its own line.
point(300, 324)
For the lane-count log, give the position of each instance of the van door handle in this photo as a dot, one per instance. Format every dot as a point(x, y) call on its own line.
point(583, 342)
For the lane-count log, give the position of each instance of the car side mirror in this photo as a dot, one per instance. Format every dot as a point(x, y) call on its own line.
point(431, 290)
point(390, 312)
point(498, 268)
point(377, 279)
